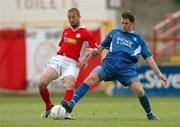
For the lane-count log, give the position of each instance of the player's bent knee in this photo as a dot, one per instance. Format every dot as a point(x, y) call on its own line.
point(92, 79)
point(69, 82)
point(137, 89)
point(70, 85)
point(42, 84)
point(140, 93)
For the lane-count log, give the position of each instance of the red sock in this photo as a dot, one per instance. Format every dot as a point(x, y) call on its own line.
point(68, 95)
point(46, 98)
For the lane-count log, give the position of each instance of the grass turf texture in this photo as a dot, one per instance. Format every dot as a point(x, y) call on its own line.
point(94, 110)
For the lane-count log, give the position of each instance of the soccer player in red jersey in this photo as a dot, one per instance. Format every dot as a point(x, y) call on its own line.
point(66, 62)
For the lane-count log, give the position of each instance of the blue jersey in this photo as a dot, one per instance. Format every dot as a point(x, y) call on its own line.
point(125, 49)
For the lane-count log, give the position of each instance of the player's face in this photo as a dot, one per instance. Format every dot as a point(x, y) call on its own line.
point(126, 25)
point(74, 19)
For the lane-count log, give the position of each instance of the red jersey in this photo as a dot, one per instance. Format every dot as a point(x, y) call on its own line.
point(72, 41)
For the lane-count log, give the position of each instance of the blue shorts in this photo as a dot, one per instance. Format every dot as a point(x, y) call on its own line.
point(107, 74)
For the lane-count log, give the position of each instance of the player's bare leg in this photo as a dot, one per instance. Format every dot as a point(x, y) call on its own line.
point(47, 76)
point(69, 83)
point(139, 91)
point(81, 91)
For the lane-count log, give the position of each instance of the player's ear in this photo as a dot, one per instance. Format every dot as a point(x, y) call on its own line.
point(132, 22)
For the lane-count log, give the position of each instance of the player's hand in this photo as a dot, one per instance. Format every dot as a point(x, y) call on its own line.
point(82, 64)
point(163, 78)
point(88, 51)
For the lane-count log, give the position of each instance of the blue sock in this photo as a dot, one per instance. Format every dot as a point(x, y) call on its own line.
point(80, 92)
point(145, 103)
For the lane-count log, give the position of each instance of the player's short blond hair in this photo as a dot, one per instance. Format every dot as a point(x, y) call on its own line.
point(75, 10)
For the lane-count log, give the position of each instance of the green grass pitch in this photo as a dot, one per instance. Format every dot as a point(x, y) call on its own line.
point(94, 110)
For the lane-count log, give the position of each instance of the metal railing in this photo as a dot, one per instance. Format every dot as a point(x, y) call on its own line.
point(166, 36)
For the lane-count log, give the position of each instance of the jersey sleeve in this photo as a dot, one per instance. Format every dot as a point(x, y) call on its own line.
point(145, 52)
point(107, 41)
point(91, 39)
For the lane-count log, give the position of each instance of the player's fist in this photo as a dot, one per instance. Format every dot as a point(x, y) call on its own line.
point(88, 51)
point(163, 78)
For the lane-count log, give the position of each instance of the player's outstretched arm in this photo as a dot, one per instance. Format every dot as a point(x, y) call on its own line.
point(91, 54)
point(154, 66)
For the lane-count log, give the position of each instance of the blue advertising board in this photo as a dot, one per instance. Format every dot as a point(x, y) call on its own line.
point(152, 84)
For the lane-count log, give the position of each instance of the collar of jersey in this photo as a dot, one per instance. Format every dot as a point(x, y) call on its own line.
point(78, 28)
point(131, 31)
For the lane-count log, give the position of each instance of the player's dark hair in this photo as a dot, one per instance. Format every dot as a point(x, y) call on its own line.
point(74, 10)
point(128, 15)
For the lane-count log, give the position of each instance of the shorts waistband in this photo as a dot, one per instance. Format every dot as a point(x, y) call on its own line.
point(69, 58)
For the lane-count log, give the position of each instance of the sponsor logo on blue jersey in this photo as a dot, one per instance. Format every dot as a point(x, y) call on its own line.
point(123, 41)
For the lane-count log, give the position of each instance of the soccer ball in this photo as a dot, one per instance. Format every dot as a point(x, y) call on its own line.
point(58, 112)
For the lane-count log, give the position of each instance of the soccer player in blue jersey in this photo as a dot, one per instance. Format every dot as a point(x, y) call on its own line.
point(125, 48)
